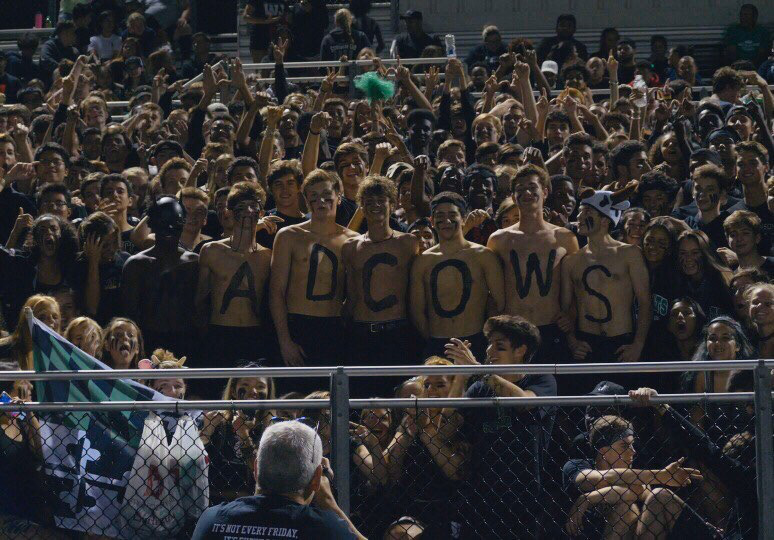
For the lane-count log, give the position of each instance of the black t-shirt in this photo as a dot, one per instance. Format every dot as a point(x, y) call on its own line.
point(109, 285)
point(269, 518)
point(267, 240)
point(507, 446)
point(266, 9)
point(714, 229)
point(593, 522)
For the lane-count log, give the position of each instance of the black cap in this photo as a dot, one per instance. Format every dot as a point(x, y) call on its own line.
point(412, 14)
point(607, 388)
point(724, 132)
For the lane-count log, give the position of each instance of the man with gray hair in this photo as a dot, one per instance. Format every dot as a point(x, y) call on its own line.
point(291, 473)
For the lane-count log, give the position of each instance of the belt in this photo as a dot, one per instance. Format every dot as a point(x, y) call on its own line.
point(384, 326)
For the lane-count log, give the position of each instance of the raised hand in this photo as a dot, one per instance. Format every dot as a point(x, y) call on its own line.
point(382, 151)
point(279, 49)
point(612, 67)
point(326, 87)
point(542, 104)
point(533, 155)
point(320, 121)
point(421, 164)
point(237, 74)
point(459, 352)
point(476, 218)
point(491, 85)
point(92, 248)
point(521, 70)
point(270, 224)
point(432, 76)
point(273, 116)
point(208, 80)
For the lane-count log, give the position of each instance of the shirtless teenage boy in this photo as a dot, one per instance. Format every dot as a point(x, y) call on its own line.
point(378, 264)
point(307, 278)
point(452, 282)
point(232, 276)
point(601, 283)
point(531, 252)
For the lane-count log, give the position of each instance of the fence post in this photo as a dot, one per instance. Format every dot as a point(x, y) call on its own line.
point(340, 435)
point(764, 452)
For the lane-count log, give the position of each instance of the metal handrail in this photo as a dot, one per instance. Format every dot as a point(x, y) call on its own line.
point(396, 403)
point(374, 371)
point(336, 63)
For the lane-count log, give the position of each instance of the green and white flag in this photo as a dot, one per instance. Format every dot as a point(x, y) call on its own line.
point(114, 473)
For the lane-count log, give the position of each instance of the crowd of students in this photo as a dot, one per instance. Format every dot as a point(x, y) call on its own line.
point(462, 221)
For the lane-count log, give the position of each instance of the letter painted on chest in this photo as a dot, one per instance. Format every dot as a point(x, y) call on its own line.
point(467, 287)
point(368, 271)
point(524, 284)
point(602, 298)
point(233, 290)
point(314, 261)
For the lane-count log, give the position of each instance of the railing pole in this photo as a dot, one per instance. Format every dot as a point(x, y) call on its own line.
point(764, 452)
point(340, 435)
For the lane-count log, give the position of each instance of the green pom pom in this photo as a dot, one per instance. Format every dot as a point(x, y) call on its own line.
point(374, 87)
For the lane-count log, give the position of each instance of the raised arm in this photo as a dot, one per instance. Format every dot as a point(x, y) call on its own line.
point(320, 121)
point(273, 116)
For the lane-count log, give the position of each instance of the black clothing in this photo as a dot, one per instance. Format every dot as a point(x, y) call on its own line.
point(371, 29)
point(323, 341)
point(738, 475)
point(261, 34)
point(109, 286)
point(714, 229)
point(269, 517)
point(711, 293)
point(555, 350)
point(549, 42)
point(230, 475)
point(593, 521)
point(603, 351)
point(54, 52)
point(386, 343)
point(9, 86)
point(409, 46)
point(483, 54)
point(766, 246)
point(10, 202)
point(22, 68)
point(19, 469)
point(308, 29)
point(267, 240)
point(336, 44)
point(502, 494)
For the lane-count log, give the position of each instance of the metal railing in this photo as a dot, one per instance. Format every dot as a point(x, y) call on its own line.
point(341, 405)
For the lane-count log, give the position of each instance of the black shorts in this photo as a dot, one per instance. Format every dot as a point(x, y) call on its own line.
point(436, 346)
point(226, 347)
point(691, 525)
point(603, 351)
point(323, 342)
point(385, 343)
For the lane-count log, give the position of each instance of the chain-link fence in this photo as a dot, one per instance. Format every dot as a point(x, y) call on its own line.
point(602, 466)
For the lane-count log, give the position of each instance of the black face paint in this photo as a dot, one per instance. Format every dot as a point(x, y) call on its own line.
point(589, 221)
point(312, 278)
point(602, 298)
point(714, 198)
point(467, 287)
point(233, 290)
point(524, 284)
point(368, 271)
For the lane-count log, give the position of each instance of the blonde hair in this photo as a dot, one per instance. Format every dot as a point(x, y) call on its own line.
point(343, 20)
point(80, 322)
